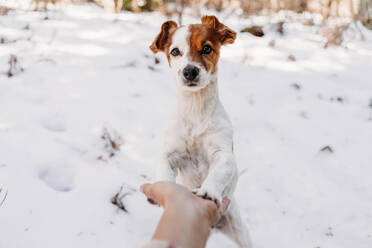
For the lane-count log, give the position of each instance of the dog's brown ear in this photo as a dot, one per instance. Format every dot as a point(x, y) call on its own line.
point(162, 39)
point(226, 35)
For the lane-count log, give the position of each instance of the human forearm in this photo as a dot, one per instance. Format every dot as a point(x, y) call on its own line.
point(187, 219)
point(183, 226)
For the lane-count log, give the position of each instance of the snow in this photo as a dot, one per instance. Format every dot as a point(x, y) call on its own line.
point(86, 70)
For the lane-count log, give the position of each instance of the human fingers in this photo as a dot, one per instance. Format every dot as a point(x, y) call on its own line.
point(154, 193)
point(214, 213)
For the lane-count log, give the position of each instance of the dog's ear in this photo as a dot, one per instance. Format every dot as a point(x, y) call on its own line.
point(225, 34)
point(162, 39)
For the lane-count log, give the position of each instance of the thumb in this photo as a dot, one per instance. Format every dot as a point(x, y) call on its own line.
point(153, 192)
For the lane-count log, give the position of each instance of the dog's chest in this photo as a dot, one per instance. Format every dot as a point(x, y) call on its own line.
point(191, 157)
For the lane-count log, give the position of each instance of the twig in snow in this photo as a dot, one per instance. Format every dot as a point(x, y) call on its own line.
point(327, 149)
point(4, 198)
point(113, 141)
point(291, 58)
point(280, 27)
point(329, 233)
point(49, 60)
point(296, 86)
point(4, 40)
point(119, 196)
point(14, 66)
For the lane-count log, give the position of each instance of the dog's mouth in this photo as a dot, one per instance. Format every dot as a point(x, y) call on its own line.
point(191, 83)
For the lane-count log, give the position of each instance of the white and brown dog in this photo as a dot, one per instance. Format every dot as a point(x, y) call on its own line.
point(199, 138)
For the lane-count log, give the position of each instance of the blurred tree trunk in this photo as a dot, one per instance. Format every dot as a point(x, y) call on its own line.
point(327, 10)
point(118, 5)
point(365, 13)
point(351, 9)
point(180, 8)
point(301, 6)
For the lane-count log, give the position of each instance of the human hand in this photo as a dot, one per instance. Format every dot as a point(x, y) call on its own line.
point(177, 197)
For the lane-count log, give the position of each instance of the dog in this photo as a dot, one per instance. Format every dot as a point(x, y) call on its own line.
point(198, 143)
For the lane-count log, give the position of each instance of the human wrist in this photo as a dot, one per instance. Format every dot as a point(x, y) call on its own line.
point(193, 210)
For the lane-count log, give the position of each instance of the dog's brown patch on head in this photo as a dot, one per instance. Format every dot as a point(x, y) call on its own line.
point(164, 38)
point(201, 35)
point(224, 33)
point(213, 33)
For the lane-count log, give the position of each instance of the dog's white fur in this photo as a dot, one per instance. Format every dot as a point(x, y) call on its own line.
point(198, 145)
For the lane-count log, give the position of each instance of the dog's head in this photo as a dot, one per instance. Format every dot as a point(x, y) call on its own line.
point(193, 50)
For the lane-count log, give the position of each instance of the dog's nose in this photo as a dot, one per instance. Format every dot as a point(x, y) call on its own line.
point(190, 72)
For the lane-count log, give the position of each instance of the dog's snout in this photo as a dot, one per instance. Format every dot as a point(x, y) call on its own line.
point(190, 72)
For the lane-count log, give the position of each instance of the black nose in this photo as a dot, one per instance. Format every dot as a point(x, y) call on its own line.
point(190, 72)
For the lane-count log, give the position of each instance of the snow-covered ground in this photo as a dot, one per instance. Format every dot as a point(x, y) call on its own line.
point(85, 70)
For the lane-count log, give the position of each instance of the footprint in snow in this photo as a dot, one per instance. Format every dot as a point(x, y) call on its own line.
point(58, 178)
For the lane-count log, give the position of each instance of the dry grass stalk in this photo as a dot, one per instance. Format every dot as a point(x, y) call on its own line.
point(117, 199)
point(327, 149)
point(14, 66)
point(291, 58)
point(5, 195)
point(112, 143)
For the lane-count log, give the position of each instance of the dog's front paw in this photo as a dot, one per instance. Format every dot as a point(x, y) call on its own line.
point(209, 194)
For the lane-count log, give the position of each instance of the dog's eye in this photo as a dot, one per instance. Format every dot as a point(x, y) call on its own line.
point(207, 49)
point(175, 52)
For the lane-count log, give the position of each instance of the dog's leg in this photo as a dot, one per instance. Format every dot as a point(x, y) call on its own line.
point(233, 226)
point(221, 179)
point(166, 171)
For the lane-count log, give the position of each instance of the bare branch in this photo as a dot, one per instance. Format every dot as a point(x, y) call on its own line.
point(4, 198)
